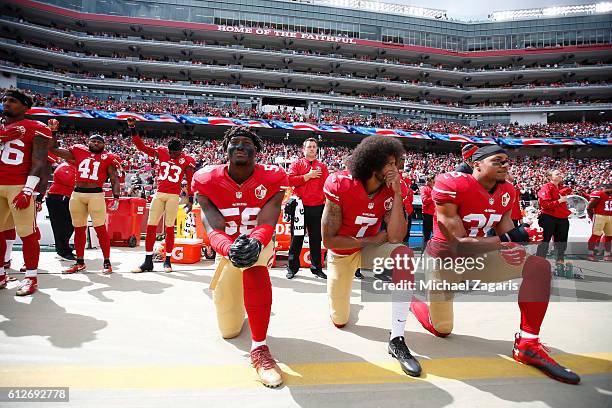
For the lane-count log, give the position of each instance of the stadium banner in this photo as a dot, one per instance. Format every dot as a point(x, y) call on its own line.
point(165, 117)
point(540, 142)
point(257, 123)
point(309, 127)
point(75, 113)
point(446, 137)
point(270, 32)
point(603, 141)
point(368, 131)
point(117, 115)
point(206, 120)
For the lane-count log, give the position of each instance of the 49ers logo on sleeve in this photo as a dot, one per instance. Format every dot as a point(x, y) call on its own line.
point(505, 199)
point(104, 156)
point(260, 192)
point(388, 203)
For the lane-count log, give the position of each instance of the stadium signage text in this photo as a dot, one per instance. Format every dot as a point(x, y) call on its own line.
point(286, 34)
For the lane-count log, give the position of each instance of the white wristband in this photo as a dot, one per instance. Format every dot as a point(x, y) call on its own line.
point(32, 182)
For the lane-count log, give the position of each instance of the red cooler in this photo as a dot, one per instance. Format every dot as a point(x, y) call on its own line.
point(124, 224)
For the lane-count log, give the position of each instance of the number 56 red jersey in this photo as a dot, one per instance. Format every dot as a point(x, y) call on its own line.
point(479, 209)
point(16, 155)
point(239, 203)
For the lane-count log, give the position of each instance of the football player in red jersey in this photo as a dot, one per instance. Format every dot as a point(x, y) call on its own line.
point(173, 165)
point(23, 161)
point(94, 165)
point(600, 212)
point(241, 203)
point(357, 202)
point(467, 208)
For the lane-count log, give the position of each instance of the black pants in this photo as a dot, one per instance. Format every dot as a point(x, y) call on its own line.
point(312, 224)
point(427, 228)
point(61, 222)
point(557, 228)
point(408, 228)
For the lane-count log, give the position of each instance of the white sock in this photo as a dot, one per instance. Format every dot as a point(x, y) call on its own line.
point(399, 314)
point(149, 253)
point(255, 344)
point(526, 335)
point(31, 273)
point(9, 249)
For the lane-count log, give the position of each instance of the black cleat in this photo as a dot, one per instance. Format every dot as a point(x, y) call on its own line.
point(534, 353)
point(399, 351)
point(290, 274)
point(319, 273)
point(145, 267)
point(358, 274)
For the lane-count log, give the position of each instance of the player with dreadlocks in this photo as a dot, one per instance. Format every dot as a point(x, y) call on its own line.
point(241, 202)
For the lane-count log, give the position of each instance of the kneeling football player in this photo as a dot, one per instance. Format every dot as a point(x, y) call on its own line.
point(241, 203)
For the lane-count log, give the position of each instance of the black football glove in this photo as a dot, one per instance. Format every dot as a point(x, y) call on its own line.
point(244, 252)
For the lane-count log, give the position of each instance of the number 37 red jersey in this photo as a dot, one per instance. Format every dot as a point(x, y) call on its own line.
point(239, 203)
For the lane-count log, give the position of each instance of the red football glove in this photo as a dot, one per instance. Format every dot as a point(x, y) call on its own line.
point(53, 124)
point(513, 253)
point(12, 133)
point(23, 199)
point(112, 205)
point(536, 235)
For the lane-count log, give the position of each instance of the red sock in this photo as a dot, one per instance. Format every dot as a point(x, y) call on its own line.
point(169, 239)
point(2, 248)
point(80, 238)
point(31, 251)
point(104, 240)
point(534, 293)
point(420, 310)
point(150, 238)
point(257, 300)
point(10, 234)
point(594, 241)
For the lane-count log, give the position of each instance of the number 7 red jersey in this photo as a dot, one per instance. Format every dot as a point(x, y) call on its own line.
point(239, 203)
point(361, 215)
point(91, 167)
point(479, 209)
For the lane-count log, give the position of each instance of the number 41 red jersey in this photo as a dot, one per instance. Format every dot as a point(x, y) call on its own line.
point(16, 155)
point(479, 210)
point(239, 203)
point(91, 167)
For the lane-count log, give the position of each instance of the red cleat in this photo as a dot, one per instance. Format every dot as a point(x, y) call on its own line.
point(27, 286)
point(534, 353)
point(107, 268)
point(420, 310)
point(3, 281)
point(268, 371)
point(74, 269)
point(339, 326)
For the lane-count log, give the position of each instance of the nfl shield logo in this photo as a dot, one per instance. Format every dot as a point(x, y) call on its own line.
point(238, 194)
point(505, 199)
point(370, 205)
point(104, 157)
point(260, 192)
point(491, 201)
point(388, 203)
point(181, 161)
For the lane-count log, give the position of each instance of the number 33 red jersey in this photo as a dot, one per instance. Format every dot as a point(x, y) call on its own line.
point(479, 210)
point(91, 167)
point(239, 203)
point(170, 172)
